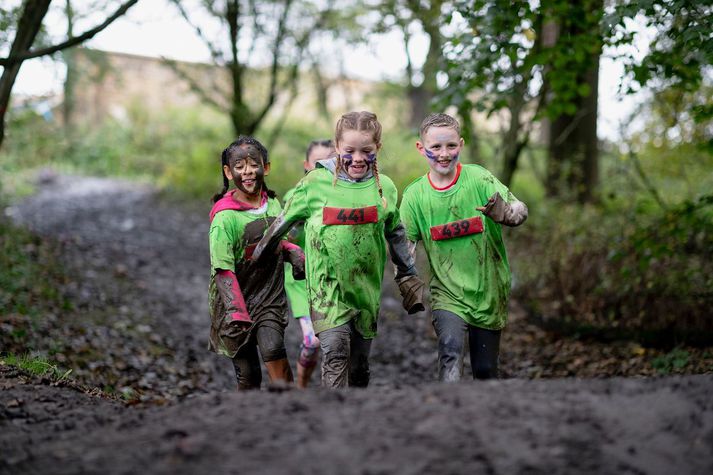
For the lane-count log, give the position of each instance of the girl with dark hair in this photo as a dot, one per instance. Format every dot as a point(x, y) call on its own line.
point(248, 307)
point(350, 217)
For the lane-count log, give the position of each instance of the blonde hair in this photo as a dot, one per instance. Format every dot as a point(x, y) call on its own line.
point(362, 121)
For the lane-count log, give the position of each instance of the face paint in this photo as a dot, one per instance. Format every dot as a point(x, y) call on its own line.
point(248, 170)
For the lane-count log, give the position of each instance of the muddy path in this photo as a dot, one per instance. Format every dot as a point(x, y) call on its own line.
point(139, 268)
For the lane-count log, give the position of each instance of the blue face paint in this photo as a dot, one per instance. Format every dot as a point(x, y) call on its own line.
point(431, 156)
point(371, 158)
point(347, 159)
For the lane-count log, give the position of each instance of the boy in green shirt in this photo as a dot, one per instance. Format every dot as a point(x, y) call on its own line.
point(457, 211)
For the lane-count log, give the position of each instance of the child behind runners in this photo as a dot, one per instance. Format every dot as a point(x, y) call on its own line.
point(297, 289)
point(350, 215)
point(248, 306)
point(456, 211)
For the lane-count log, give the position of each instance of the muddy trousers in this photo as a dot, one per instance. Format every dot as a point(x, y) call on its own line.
point(247, 362)
point(345, 357)
point(484, 347)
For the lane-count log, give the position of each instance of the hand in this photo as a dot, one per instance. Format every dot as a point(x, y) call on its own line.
point(295, 256)
point(496, 208)
point(411, 289)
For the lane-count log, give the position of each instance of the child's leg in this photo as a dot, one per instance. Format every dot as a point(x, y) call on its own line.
point(450, 329)
point(247, 368)
point(271, 340)
point(336, 347)
point(484, 351)
point(359, 359)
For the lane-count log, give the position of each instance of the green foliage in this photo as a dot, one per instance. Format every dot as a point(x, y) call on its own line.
point(36, 365)
point(502, 53)
point(674, 361)
point(681, 50)
point(621, 269)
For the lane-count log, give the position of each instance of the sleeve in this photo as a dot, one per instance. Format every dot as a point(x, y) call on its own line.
point(408, 217)
point(395, 235)
point(222, 239)
point(295, 210)
point(503, 207)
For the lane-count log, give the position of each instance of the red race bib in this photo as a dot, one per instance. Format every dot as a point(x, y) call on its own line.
point(457, 229)
point(350, 216)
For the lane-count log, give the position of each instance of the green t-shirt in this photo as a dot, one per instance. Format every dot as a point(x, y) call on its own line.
point(470, 274)
point(232, 232)
point(345, 259)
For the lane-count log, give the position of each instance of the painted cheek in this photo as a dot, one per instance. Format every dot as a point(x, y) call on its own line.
point(430, 155)
point(347, 158)
point(371, 158)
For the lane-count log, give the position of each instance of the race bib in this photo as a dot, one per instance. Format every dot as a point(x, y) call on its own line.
point(456, 229)
point(350, 216)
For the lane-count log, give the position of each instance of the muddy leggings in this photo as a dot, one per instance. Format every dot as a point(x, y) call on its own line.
point(484, 347)
point(271, 341)
point(345, 359)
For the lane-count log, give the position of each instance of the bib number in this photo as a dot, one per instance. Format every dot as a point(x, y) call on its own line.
point(349, 216)
point(456, 229)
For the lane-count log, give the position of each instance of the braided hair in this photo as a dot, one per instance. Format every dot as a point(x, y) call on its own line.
point(225, 160)
point(360, 121)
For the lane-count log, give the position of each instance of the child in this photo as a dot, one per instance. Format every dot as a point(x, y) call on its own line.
point(350, 215)
point(296, 290)
point(456, 211)
point(247, 302)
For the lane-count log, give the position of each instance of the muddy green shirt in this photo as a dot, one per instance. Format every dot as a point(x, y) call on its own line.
point(232, 234)
point(470, 274)
point(345, 247)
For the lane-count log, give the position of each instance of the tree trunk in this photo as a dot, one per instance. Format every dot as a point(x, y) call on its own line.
point(420, 96)
point(70, 79)
point(27, 28)
point(573, 148)
point(573, 152)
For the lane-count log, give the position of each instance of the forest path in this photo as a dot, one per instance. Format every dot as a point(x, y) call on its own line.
point(139, 268)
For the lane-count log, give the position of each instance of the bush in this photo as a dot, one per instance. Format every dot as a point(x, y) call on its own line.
point(618, 272)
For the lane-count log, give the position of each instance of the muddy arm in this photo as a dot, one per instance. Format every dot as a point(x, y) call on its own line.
point(500, 211)
point(232, 296)
point(272, 236)
point(403, 256)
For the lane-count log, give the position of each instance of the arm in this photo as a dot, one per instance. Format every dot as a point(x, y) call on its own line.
point(295, 210)
point(513, 213)
point(232, 296)
point(403, 256)
point(295, 256)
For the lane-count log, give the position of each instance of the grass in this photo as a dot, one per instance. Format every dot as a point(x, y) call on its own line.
point(36, 365)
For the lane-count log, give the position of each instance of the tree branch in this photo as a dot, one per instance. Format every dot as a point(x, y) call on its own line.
point(71, 41)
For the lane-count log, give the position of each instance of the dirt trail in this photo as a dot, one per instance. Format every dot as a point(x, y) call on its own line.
point(140, 265)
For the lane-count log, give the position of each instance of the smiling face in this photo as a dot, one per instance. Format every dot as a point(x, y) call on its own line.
point(247, 171)
point(357, 150)
point(441, 146)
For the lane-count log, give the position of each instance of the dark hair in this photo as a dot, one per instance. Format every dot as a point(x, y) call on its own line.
point(318, 143)
point(225, 160)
